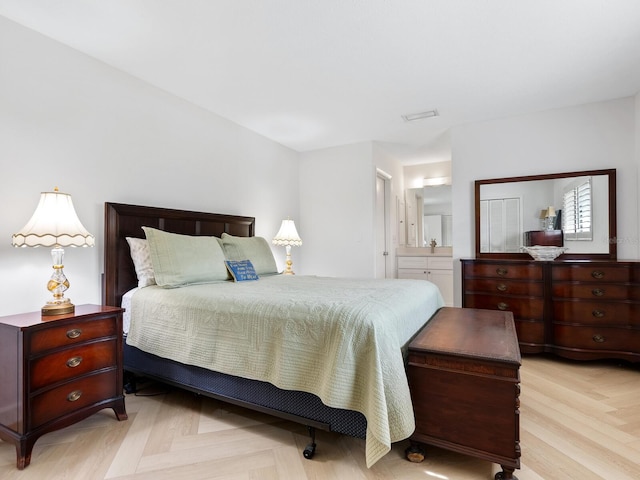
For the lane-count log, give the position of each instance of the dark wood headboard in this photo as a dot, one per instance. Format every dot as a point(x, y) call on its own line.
point(121, 221)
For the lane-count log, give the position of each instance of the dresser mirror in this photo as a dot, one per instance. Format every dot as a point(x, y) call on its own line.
point(509, 211)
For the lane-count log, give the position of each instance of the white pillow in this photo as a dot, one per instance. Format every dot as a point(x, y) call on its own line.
point(141, 257)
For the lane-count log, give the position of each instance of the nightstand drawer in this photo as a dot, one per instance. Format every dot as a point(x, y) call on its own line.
point(72, 362)
point(72, 396)
point(71, 333)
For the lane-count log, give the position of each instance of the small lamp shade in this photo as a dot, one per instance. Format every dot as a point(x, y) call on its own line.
point(551, 212)
point(288, 237)
point(55, 224)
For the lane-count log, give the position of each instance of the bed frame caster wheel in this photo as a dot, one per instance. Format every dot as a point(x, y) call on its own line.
point(309, 451)
point(415, 453)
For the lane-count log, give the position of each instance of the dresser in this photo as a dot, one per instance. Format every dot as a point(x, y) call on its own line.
point(56, 371)
point(579, 309)
point(464, 379)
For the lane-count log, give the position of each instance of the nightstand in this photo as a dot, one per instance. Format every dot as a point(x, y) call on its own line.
point(56, 371)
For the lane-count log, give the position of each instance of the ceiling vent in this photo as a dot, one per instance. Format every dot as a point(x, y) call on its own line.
point(412, 117)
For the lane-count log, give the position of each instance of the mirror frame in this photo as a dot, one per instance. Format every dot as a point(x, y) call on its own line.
point(613, 247)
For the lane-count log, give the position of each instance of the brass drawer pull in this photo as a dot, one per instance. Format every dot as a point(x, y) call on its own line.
point(502, 271)
point(598, 313)
point(502, 306)
point(73, 362)
point(75, 333)
point(597, 274)
point(598, 338)
point(74, 396)
point(598, 292)
point(501, 287)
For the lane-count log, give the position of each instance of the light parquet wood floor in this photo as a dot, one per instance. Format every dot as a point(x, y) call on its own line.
point(579, 420)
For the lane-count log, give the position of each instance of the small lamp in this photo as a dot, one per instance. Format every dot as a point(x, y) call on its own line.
point(543, 219)
point(550, 215)
point(55, 224)
point(287, 236)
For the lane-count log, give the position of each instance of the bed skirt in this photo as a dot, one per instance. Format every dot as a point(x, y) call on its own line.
point(301, 407)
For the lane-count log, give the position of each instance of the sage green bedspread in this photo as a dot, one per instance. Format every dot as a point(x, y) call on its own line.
point(339, 339)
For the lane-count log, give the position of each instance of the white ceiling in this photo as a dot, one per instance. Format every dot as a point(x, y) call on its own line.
point(311, 74)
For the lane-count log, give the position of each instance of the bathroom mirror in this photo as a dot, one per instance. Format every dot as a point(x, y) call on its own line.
point(428, 211)
point(511, 207)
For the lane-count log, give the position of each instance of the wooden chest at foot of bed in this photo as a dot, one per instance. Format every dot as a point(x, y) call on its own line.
point(465, 383)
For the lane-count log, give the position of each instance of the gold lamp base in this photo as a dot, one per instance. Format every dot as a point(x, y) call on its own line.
point(58, 307)
point(288, 262)
point(57, 285)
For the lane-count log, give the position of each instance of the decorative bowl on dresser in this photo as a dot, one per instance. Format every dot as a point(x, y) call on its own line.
point(58, 370)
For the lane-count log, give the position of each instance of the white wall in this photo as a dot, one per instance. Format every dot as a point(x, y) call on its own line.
point(337, 199)
point(70, 121)
point(586, 137)
point(337, 209)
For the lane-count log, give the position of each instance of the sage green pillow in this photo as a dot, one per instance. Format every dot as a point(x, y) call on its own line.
point(255, 249)
point(180, 260)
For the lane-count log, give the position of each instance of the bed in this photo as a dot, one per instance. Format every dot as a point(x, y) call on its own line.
point(352, 398)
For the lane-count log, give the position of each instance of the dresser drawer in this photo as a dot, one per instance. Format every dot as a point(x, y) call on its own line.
point(594, 273)
point(530, 332)
point(71, 333)
point(72, 396)
point(527, 271)
point(71, 362)
point(599, 291)
point(597, 338)
point(597, 313)
point(412, 262)
point(500, 286)
point(522, 307)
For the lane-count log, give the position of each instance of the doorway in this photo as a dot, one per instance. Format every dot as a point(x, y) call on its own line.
point(383, 192)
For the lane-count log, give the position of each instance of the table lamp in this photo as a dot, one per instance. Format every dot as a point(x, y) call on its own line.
point(287, 236)
point(551, 215)
point(55, 224)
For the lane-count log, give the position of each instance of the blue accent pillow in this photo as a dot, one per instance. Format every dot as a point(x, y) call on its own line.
point(241, 270)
